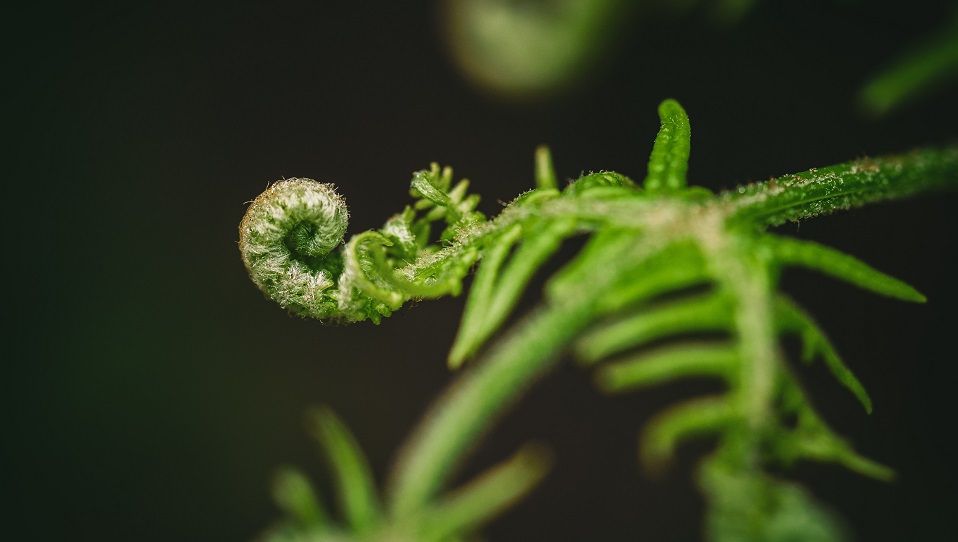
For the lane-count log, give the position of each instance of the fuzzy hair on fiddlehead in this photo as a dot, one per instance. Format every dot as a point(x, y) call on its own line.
point(288, 239)
point(291, 239)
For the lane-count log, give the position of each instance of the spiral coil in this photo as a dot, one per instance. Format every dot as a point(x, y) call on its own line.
point(288, 239)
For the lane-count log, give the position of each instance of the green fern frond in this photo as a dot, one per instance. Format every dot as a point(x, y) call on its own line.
point(356, 489)
point(453, 516)
point(625, 289)
point(787, 251)
point(491, 304)
point(666, 364)
point(792, 319)
point(467, 508)
point(669, 162)
point(699, 313)
point(295, 496)
point(694, 418)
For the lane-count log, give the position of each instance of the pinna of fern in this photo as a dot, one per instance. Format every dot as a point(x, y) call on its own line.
point(449, 517)
point(628, 287)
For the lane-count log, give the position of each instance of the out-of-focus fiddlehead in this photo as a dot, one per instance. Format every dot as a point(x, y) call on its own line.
point(523, 49)
point(535, 49)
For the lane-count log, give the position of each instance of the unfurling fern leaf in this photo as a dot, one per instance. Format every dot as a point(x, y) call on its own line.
point(629, 286)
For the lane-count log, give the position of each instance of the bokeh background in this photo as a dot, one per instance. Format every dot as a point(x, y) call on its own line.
point(150, 389)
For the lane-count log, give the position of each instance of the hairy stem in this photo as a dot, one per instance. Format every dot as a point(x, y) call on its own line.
point(843, 186)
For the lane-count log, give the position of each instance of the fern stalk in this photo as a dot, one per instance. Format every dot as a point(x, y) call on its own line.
point(820, 191)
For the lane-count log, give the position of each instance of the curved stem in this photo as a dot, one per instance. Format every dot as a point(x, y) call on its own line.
point(468, 407)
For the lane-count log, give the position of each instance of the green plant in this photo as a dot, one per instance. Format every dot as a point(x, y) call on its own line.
point(663, 261)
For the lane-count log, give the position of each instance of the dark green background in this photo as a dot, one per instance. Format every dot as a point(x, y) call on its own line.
point(150, 389)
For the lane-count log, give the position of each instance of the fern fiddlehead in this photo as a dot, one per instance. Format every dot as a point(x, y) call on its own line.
point(287, 238)
point(607, 305)
point(291, 239)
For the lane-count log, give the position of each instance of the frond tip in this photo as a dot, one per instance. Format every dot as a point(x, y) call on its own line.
point(791, 318)
point(354, 480)
point(294, 494)
point(788, 251)
point(467, 508)
point(669, 162)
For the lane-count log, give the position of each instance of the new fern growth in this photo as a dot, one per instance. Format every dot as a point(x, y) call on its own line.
point(650, 245)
